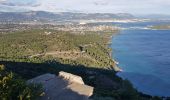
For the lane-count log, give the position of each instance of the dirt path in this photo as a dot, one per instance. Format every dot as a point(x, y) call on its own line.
point(66, 55)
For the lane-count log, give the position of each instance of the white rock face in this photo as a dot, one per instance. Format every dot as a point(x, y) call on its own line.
point(71, 78)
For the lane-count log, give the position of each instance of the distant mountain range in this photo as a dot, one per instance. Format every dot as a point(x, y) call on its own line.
point(42, 16)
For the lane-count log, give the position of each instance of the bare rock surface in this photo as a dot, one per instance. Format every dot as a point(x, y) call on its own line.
point(66, 86)
point(71, 78)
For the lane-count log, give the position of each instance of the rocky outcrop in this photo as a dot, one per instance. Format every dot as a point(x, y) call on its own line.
point(66, 86)
point(71, 78)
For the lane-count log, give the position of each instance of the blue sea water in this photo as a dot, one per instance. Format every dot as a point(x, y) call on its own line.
point(144, 56)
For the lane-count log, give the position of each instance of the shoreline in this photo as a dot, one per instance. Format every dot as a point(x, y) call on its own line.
point(92, 75)
point(121, 70)
point(115, 63)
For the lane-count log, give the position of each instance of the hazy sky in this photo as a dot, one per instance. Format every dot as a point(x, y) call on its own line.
point(109, 6)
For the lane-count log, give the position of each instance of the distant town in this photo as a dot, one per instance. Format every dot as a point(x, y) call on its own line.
point(7, 28)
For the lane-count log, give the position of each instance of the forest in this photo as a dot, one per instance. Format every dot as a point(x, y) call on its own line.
point(88, 49)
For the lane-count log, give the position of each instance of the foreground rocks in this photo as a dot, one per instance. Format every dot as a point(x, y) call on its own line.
point(71, 78)
point(66, 86)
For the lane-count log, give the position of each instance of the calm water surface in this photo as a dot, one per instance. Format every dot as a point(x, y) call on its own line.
point(144, 56)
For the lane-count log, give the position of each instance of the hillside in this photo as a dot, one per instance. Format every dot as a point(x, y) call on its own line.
point(31, 53)
point(89, 49)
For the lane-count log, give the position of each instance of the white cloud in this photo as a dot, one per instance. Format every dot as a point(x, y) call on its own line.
point(114, 6)
point(132, 6)
point(2, 1)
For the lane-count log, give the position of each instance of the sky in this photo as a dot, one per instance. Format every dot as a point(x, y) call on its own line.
point(88, 6)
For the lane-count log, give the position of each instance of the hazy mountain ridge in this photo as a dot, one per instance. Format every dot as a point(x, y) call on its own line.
point(63, 16)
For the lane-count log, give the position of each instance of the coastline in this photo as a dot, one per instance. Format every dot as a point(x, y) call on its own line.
point(160, 27)
point(109, 42)
point(139, 91)
point(106, 75)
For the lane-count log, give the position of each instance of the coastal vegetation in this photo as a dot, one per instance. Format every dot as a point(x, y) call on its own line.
point(161, 27)
point(89, 49)
point(14, 88)
point(35, 52)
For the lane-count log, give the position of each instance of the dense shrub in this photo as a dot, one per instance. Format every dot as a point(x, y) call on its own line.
point(13, 88)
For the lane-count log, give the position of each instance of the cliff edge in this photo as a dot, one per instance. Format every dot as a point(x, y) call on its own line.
point(63, 87)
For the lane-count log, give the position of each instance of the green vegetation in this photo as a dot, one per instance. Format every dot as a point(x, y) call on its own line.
point(13, 88)
point(32, 53)
point(160, 27)
point(88, 49)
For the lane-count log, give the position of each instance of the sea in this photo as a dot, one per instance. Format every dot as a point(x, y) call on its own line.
point(144, 56)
